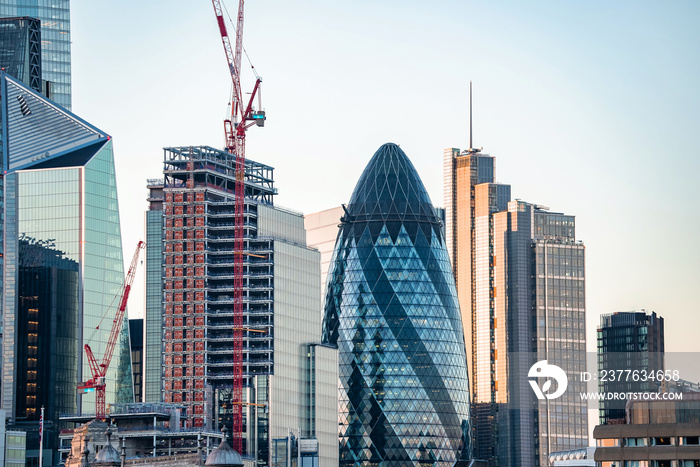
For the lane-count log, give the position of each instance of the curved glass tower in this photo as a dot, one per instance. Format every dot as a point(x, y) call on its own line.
point(392, 310)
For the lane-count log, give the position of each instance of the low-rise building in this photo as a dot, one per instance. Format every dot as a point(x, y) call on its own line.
point(663, 433)
point(574, 457)
point(146, 430)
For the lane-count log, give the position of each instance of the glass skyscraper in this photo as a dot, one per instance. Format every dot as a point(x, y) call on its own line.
point(391, 308)
point(628, 340)
point(471, 199)
point(20, 50)
point(521, 282)
point(55, 41)
point(62, 263)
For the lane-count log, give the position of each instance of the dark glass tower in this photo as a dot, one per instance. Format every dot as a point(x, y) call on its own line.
point(631, 341)
point(392, 310)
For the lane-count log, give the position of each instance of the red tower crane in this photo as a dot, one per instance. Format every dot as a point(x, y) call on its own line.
point(235, 128)
point(99, 371)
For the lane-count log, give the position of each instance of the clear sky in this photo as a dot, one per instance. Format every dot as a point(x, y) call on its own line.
point(591, 108)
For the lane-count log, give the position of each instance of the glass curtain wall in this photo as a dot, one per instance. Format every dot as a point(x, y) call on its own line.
point(55, 37)
point(392, 310)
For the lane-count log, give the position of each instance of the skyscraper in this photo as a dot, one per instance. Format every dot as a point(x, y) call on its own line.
point(152, 344)
point(520, 279)
point(62, 263)
point(20, 50)
point(285, 373)
point(540, 301)
point(471, 200)
point(391, 308)
point(55, 37)
point(628, 340)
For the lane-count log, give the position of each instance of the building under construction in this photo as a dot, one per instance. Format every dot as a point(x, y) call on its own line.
point(286, 384)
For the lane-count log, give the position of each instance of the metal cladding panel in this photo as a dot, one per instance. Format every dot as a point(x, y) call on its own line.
point(45, 131)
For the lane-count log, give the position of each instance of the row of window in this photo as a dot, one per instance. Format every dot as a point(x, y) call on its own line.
point(652, 441)
point(651, 463)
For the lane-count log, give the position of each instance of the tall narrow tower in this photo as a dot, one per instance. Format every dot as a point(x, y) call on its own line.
point(471, 199)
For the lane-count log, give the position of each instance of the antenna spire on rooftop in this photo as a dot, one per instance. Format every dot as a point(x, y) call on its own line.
point(471, 149)
point(470, 115)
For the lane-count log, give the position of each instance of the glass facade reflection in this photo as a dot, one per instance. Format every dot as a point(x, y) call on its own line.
point(521, 284)
point(55, 37)
point(20, 49)
point(63, 266)
point(628, 340)
point(391, 308)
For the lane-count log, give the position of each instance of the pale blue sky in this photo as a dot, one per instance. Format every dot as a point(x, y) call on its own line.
point(591, 108)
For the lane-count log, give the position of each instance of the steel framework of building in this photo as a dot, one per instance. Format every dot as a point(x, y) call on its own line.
point(199, 280)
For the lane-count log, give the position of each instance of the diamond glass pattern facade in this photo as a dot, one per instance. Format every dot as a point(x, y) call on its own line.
point(391, 308)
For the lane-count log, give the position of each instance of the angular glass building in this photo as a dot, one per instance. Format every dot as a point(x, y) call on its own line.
point(62, 264)
point(391, 308)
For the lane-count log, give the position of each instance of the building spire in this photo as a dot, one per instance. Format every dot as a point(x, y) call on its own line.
point(471, 149)
point(470, 115)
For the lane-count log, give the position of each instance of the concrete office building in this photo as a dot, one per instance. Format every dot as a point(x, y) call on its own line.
point(321, 233)
point(148, 431)
point(391, 308)
point(517, 309)
point(282, 368)
point(574, 458)
point(662, 433)
point(56, 41)
point(629, 341)
point(62, 264)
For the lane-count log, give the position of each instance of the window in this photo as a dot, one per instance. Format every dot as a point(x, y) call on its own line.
point(690, 440)
point(608, 442)
point(665, 441)
point(635, 442)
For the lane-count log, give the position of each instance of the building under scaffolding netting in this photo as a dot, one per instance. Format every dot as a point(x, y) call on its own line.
point(193, 211)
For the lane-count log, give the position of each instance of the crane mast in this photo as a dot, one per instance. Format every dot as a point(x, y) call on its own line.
point(99, 370)
point(235, 128)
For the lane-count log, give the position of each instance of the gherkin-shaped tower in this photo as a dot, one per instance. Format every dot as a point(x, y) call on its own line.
point(392, 310)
